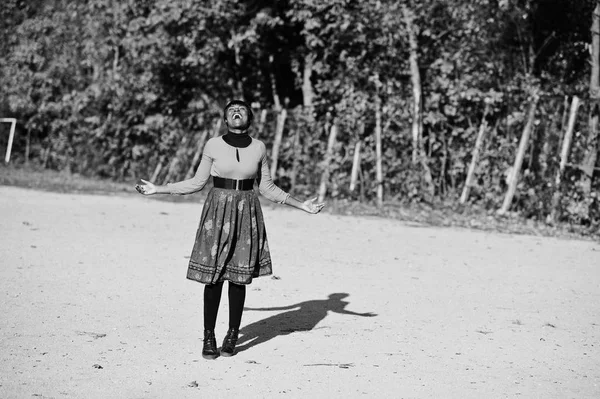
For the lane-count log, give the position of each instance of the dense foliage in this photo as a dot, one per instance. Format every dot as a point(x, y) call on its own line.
point(129, 89)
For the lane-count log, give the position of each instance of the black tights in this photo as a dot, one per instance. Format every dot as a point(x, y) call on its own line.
point(212, 298)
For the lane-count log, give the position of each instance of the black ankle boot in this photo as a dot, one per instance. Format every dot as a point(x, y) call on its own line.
point(228, 348)
point(209, 349)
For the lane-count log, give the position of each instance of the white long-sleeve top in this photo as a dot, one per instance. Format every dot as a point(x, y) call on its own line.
point(219, 159)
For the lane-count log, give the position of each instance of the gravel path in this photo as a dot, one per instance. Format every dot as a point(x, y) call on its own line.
point(95, 304)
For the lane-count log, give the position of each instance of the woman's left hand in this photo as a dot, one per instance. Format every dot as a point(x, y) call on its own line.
point(311, 207)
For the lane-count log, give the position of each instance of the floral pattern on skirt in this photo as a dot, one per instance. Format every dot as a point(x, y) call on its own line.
point(231, 241)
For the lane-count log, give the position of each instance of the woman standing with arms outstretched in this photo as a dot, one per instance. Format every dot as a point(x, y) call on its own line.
point(231, 242)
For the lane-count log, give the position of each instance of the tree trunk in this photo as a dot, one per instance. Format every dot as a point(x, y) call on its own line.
point(328, 156)
point(297, 150)
point(281, 117)
point(378, 162)
point(514, 177)
point(475, 157)
point(217, 127)
point(415, 75)
point(564, 120)
point(276, 100)
point(307, 88)
point(548, 138)
point(46, 156)
point(591, 151)
point(262, 121)
point(442, 179)
point(418, 147)
point(564, 156)
point(239, 87)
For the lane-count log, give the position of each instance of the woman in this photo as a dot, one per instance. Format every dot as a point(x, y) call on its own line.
point(231, 242)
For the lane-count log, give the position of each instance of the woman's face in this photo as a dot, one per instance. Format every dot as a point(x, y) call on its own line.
point(237, 117)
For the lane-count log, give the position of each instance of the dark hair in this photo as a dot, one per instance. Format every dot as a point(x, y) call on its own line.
point(242, 103)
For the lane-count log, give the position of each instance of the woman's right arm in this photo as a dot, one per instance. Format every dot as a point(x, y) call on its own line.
point(183, 187)
point(192, 185)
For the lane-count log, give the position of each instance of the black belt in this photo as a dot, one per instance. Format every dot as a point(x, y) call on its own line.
point(232, 184)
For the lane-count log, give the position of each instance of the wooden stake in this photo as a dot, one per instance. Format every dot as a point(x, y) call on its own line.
point(378, 162)
point(475, 157)
point(564, 156)
point(514, 178)
point(355, 165)
point(175, 161)
point(158, 168)
point(199, 148)
point(328, 156)
point(27, 146)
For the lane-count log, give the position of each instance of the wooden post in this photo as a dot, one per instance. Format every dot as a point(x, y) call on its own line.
point(355, 165)
point(475, 157)
point(11, 136)
point(564, 156)
point(378, 162)
point(591, 150)
point(354, 174)
point(328, 156)
point(199, 147)
point(157, 169)
point(27, 146)
point(514, 178)
point(176, 161)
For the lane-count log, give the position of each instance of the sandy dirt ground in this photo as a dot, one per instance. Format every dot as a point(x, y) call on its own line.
point(95, 304)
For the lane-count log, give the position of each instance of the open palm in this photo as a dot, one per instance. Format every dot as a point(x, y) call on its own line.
point(311, 207)
point(146, 187)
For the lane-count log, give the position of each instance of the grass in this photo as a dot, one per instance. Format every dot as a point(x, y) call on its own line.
point(440, 215)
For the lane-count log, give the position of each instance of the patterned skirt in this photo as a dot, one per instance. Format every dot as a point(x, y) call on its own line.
point(231, 242)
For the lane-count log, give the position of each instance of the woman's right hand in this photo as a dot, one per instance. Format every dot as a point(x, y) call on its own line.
point(145, 187)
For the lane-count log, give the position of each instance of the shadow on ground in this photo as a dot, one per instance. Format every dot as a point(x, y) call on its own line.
point(303, 316)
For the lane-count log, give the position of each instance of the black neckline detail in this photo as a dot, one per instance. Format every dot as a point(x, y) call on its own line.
point(242, 140)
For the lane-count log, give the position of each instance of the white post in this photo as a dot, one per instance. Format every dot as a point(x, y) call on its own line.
point(11, 136)
point(355, 166)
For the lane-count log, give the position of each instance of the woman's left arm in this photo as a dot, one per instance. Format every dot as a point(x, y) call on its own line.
point(270, 190)
point(309, 206)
